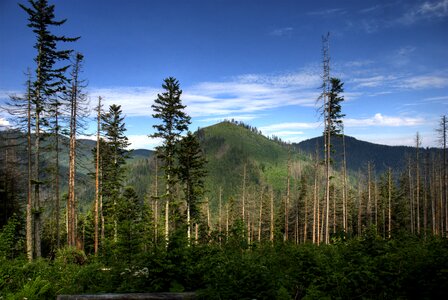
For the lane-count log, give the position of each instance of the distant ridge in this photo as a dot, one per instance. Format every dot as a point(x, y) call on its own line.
point(359, 153)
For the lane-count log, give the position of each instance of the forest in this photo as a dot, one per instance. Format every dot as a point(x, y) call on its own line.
point(223, 211)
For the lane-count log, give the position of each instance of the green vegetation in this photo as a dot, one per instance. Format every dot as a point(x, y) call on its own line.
point(367, 267)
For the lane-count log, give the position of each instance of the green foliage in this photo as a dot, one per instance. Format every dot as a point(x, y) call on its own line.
point(70, 255)
point(11, 239)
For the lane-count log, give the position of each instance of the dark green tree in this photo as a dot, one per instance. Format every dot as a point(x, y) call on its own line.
point(49, 80)
point(113, 159)
point(129, 216)
point(169, 109)
point(333, 106)
point(192, 175)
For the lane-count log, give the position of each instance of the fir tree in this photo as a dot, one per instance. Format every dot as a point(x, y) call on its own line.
point(49, 80)
point(169, 109)
point(192, 174)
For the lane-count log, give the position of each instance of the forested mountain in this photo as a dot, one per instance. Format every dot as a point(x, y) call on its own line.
point(359, 153)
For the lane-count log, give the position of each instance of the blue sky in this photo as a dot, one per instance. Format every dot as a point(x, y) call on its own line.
point(255, 61)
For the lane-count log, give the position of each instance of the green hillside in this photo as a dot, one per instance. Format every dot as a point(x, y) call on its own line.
point(228, 147)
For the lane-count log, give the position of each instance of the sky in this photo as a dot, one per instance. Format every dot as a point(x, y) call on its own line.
point(254, 61)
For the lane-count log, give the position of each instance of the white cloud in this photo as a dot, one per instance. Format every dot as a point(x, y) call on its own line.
point(286, 133)
point(373, 81)
point(281, 31)
point(242, 95)
point(424, 82)
point(288, 126)
point(427, 10)
point(4, 122)
point(134, 101)
point(440, 99)
point(383, 121)
point(326, 12)
point(143, 142)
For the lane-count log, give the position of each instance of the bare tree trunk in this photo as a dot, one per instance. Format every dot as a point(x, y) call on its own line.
point(344, 187)
point(288, 179)
point(417, 177)
point(411, 196)
point(369, 194)
point(29, 205)
point(244, 192)
point(37, 207)
point(260, 220)
point(97, 176)
point(389, 198)
point(220, 215)
point(271, 233)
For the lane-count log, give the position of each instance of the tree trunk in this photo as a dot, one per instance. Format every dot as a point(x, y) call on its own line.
point(271, 232)
point(29, 205)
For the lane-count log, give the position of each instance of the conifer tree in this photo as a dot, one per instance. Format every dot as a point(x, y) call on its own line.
point(192, 174)
point(169, 109)
point(49, 80)
point(113, 159)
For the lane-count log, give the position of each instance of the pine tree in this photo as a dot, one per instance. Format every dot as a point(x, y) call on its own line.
point(77, 101)
point(169, 109)
point(48, 82)
point(113, 158)
point(192, 174)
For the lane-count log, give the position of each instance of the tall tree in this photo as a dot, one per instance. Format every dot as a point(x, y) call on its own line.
point(169, 109)
point(48, 81)
point(192, 174)
point(77, 101)
point(442, 131)
point(97, 177)
point(113, 161)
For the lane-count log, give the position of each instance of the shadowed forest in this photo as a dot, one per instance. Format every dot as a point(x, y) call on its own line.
point(223, 211)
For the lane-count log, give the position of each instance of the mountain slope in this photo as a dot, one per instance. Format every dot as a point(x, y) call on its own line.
point(358, 153)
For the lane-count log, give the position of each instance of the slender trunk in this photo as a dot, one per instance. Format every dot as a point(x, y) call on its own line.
point(417, 177)
point(344, 187)
point(220, 215)
point(209, 226)
point(411, 196)
point(58, 236)
point(188, 224)
point(389, 200)
point(305, 224)
point(37, 207)
point(97, 175)
point(29, 205)
point(271, 232)
point(287, 200)
point(369, 194)
point(260, 220)
point(244, 192)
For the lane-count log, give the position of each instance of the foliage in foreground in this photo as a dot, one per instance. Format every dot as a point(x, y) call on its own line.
point(366, 268)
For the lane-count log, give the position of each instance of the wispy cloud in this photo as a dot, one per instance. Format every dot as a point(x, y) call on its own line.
point(246, 96)
point(134, 101)
point(384, 121)
point(373, 81)
point(288, 126)
point(440, 99)
point(326, 12)
point(285, 31)
point(425, 11)
point(424, 82)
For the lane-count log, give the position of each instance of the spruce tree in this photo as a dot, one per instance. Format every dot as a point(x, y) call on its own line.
point(192, 174)
point(49, 80)
point(169, 109)
point(113, 159)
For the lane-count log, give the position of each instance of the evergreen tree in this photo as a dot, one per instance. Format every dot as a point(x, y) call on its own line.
point(113, 159)
point(192, 174)
point(49, 80)
point(169, 109)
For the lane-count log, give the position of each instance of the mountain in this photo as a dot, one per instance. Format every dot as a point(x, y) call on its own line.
point(358, 153)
